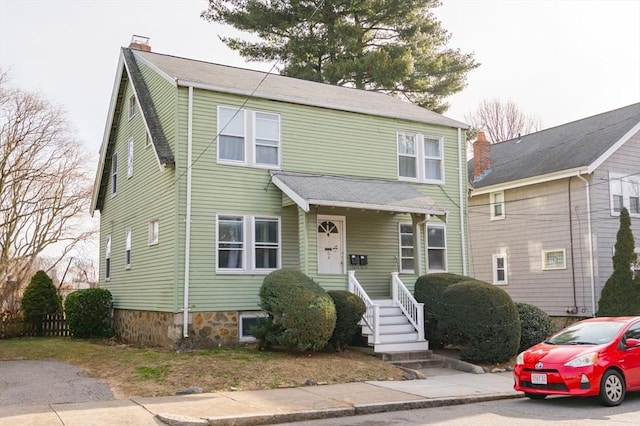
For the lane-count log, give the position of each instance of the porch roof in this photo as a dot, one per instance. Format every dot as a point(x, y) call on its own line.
point(354, 192)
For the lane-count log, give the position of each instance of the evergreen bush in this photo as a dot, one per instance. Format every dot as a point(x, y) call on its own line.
point(620, 295)
point(40, 299)
point(428, 290)
point(349, 311)
point(535, 325)
point(482, 319)
point(89, 313)
point(302, 314)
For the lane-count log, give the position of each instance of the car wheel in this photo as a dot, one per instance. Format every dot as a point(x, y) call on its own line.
point(612, 388)
point(535, 395)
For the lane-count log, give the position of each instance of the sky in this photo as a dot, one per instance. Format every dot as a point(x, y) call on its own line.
point(558, 60)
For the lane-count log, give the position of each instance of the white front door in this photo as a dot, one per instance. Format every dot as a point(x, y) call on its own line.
point(331, 243)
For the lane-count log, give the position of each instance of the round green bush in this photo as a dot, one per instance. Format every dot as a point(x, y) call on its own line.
point(349, 311)
point(482, 319)
point(303, 314)
point(428, 290)
point(40, 299)
point(535, 325)
point(89, 312)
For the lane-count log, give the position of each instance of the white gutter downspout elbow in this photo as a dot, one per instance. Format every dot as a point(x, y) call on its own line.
point(187, 240)
point(462, 203)
point(593, 279)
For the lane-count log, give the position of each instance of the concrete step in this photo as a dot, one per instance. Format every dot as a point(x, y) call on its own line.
point(401, 346)
point(394, 337)
point(419, 364)
point(392, 356)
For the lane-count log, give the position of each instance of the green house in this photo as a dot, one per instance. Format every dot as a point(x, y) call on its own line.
point(210, 177)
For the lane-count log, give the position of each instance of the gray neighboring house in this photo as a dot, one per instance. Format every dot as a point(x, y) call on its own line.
point(544, 209)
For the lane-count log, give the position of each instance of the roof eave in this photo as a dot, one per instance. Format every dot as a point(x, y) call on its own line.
point(534, 180)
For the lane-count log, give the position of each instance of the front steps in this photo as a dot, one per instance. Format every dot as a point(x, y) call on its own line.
point(412, 360)
point(396, 333)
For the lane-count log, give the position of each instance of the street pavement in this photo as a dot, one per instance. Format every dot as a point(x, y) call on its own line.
point(439, 387)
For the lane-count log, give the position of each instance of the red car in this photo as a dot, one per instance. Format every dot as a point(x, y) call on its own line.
point(595, 357)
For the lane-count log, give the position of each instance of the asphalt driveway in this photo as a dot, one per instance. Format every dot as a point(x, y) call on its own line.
point(48, 382)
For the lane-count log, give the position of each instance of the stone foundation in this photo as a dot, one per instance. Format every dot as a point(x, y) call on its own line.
point(150, 328)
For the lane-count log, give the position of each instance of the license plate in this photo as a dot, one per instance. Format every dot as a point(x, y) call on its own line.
point(538, 379)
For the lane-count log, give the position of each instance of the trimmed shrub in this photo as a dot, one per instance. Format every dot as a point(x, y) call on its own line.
point(303, 314)
point(428, 290)
point(349, 311)
point(40, 299)
point(482, 319)
point(89, 312)
point(535, 325)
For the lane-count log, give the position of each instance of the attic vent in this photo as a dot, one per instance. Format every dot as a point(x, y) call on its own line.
point(140, 43)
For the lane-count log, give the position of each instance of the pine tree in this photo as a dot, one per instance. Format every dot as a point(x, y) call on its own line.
point(621, 293)
point(393, 46)
point(39, 300)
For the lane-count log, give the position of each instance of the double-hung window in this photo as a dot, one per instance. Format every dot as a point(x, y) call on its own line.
point(132, 106)
point(407, 258)
point(247, 244)
point(625, 192)
point(154, 231)
point(250, 138)
point(496, 203)
point(107, 258)
point(127, 251)
point(130, 159)
point(114, 173)
point(420, 157)
point(436, 248)
point(500, 269)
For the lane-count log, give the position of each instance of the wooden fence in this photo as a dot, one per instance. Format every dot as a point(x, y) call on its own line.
point(53, 326)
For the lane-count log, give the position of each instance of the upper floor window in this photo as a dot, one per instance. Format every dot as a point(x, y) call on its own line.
point(407, 258)
point(249, 138)
point(497, 205)
point(154, 230)
point(554, 259)
point(625, 192)
point(132, 106)
point(436, 248)
point(127, 251)
point(420, 157)
point(107, 258)
point(499, 269)
point(248, 243)
point(130, 158)
point(114, 173)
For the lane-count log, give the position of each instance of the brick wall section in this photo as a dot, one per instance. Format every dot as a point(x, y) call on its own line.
point(149, 328)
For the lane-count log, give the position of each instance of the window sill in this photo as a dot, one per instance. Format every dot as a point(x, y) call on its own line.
point(501, 284)
point(245, 164)
point(494, 218)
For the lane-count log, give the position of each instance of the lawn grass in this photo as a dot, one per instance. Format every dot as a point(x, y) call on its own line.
point(132, 371)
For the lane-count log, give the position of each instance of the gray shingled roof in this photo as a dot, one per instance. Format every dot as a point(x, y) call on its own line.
point(242, 81)
point(573, 145)
point(362, 193)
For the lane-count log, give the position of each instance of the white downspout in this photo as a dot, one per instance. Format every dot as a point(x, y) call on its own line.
point(187, 239)
point(463, 194)
point(593, 281)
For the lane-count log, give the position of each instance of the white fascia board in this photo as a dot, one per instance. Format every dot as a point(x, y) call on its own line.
point(294, 100)
point(304, 205)
point(529, 181)
point(106, 134)
point(608, 153)
point(396, 209)
point(172, 80)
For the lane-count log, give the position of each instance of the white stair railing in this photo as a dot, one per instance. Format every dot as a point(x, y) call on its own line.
point(413, 310)
point(371, 316)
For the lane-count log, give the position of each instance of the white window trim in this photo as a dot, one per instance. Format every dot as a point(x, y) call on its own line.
point(107, 256)
point(420, 157)
point(132, 106)
point(250, 146)
point(426, 242)
point(249, 245)
point(400, 247)
point(624, 180)
point(635, 267)
point(130, 159)
point(241, 317)
point(545, 267)
point(127, 249)
point(493, 203)
point(494, 269)
point(147, 140)
point(114, 174)
point(154, 232)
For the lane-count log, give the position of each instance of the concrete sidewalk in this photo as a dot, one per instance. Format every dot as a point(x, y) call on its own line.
point(440, 387)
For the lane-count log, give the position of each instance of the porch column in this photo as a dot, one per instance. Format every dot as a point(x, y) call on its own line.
point(417, 220)
point(303, 240)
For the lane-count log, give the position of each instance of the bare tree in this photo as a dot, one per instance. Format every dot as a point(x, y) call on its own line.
point(501, 120)
point(44, 186)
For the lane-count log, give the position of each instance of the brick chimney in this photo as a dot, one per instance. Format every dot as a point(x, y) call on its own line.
point(140, 43)
point(481, 156)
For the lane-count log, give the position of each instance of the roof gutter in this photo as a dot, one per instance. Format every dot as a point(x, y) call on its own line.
point(462, 194)
point(563, 174)
point(593, 282)
point(187, 242)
